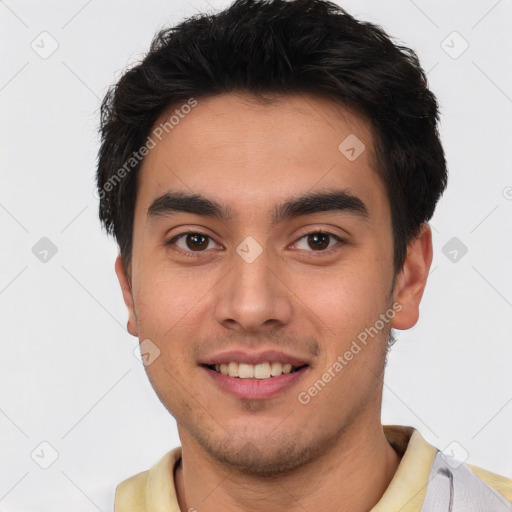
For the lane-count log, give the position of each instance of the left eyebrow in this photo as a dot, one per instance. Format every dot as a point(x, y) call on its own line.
point(332, 201)
point(307, 204)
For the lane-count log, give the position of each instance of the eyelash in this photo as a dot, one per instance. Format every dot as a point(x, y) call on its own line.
point(195, 254)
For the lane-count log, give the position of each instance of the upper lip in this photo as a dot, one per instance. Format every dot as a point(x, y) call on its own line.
point(266, 356)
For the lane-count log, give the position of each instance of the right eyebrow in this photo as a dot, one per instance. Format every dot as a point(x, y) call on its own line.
point(188, 203)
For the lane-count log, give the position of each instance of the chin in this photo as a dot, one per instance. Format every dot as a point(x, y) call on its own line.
point(259, 458)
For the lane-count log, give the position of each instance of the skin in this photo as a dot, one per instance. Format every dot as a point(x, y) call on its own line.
point(330, 454)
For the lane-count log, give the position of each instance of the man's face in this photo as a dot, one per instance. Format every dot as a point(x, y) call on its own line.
point(256, 281)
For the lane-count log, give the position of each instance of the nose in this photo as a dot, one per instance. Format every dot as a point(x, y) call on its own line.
point(253, 297)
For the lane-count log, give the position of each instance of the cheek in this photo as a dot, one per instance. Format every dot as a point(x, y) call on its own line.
point(343, 302)
point(166, 307)
point(166, 300)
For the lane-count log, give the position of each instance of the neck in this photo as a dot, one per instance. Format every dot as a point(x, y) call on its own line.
point(351, 476)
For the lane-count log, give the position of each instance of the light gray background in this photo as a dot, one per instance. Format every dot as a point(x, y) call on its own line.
point(69, 376)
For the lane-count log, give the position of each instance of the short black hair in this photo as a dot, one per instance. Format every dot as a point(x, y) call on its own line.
point(279, 47)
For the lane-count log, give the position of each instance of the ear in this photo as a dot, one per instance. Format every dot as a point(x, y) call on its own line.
point(410, 282)
point(126, 288)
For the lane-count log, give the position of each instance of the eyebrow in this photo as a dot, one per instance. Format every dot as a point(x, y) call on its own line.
point(307, 204)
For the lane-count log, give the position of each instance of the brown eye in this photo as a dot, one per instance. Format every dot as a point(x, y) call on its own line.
point(191, 242)
point(196, 241)
point(318, 241)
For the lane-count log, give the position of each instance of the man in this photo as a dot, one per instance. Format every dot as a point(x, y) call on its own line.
point(269, 173)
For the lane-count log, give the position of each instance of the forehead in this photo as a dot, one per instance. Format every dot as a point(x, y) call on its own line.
point(243, 151)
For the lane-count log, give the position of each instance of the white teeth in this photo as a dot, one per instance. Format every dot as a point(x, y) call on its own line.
point(287, 368)
point(233, 369)
point(276, 369)
point(262, 371)
point(245, 371)
point(251, 371)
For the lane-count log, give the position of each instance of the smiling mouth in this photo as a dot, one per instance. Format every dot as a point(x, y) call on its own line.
point(260, 371)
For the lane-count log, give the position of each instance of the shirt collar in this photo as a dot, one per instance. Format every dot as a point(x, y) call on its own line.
point(406, 491)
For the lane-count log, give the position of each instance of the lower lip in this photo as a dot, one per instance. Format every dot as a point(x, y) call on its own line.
point(256, 389)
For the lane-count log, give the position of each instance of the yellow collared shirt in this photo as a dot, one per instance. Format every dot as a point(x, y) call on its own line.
point(425, 481)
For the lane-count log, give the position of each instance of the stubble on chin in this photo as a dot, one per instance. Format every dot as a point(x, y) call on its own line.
point(280, 454)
